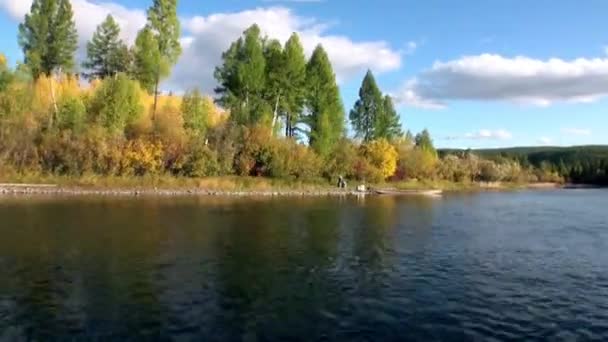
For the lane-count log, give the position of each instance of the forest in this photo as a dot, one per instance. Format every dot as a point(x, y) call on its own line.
point(276, 113)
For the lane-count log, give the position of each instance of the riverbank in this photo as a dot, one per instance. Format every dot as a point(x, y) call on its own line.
point(221, 186)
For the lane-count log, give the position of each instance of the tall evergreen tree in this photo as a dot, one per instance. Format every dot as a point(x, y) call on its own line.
point(48, 37)
point(294, 69)
point(107, 54)
point(147, 60)
point(387, 124)
point(326, 112)
point(242, 79)
point(368, 108)
point(165, 26)
point(49, 40)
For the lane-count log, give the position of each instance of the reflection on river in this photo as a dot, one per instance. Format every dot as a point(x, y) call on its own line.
point(521, 266)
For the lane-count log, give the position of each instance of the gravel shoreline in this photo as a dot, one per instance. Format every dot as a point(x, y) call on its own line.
point(79, 191)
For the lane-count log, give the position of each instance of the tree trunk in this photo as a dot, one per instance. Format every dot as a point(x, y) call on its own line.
point(155, 95)
point(53, 99)
point(276, 112)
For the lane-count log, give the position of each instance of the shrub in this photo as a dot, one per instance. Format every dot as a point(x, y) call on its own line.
point(382, 156)
point(143, 157)
point(116, 103)
point(341, 161)
point(72, 114)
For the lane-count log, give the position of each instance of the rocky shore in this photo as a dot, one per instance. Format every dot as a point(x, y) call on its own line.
point(48, 189)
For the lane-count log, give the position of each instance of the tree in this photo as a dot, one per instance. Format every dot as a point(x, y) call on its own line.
point(387, 124)
point(107, 54)
point(195, 111)
point(323, 102)
point(364, 116)
point(116, 103)
point(242, 79)
point(275, 77)
point(164, 25)
point(424, 142)
point(294, 69)
point(146, 60)
point(49, 40)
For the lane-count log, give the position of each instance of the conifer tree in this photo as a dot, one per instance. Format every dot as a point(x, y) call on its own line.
point(242, 79)
point(368, 108)
point(323, 102)
point(294, 69)
point(49, 40)
point(147, 60)
point(107, 54)
point(387, 124)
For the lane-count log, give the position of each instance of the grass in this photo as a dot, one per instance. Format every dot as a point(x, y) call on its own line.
point(232, 183)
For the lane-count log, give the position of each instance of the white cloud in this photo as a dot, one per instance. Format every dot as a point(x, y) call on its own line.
point(545, 141)
point(410, 47)
point(206, 37)
point(487, 134)
point(577, 131)
point(524, 80)
point(87, 16)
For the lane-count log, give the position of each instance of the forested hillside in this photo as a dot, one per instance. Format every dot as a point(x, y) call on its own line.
point(578, 164)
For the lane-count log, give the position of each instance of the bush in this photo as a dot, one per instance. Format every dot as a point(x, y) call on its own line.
point(143, 157)
point(341, 161)
point(291, 160)
point(116, 103)
point(72, 114)
point(381, 155)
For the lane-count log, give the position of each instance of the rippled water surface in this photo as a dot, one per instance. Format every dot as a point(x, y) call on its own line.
point(491, 266)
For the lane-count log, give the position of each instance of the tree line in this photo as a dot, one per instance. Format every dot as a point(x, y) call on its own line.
point(275, 112)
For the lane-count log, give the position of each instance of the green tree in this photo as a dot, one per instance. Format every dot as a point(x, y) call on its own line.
point(368, 109)
point(48, 37)
point(195, 111)
point(387, 124)
point(165, 26)
point(116, 103)
point(275, 77)
point(49, 40)
point(146, 60)
point(242, 79)
point(323, 102)
point(294, 69)
point(107, 54)
point(424, 142)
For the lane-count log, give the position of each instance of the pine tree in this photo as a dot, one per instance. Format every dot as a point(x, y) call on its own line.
point(107, 54)
point(294, 69)
point(387, 124)
point(48, 37)
point(165, 26)
point(368, 108)
point(146, 60)
point(242, 79)
point(49, 40)
point(323, 102)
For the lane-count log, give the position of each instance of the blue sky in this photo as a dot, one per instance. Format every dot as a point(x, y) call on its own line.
point(475, 73)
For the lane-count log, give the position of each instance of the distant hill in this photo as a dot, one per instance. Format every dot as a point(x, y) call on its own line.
point(582, 164)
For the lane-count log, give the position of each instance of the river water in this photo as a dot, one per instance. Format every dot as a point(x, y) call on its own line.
point(529, 265)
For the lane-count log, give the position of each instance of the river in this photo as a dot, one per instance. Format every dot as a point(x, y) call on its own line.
point(528, 265)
